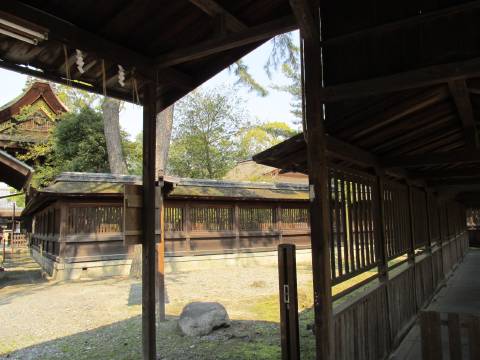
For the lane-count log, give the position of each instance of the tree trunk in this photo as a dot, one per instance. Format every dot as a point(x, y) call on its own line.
point(164, 133)
point(111, 126)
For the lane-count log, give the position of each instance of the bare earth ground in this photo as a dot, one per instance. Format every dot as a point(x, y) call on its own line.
point(100, 319)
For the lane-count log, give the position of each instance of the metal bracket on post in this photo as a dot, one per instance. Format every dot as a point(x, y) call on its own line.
point(287, 277)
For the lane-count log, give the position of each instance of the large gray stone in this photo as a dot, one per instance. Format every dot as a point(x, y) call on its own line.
point(201, 318)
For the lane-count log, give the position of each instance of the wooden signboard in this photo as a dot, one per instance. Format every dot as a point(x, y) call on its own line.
point(132, 213)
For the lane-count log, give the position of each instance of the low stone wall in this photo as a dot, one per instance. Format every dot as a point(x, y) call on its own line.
point(197, 262)
point(81, 270)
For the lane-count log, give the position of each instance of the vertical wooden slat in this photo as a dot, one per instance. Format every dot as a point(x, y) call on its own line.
point(344, 223)
point(454, 337)
point(474, 336)
point(337, 224)
point(356, 230)
point(148, 215)
point(431, 335)
point(350, 228)
point(287, 277)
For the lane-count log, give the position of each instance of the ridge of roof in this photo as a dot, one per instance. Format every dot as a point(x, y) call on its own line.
point(178, 181)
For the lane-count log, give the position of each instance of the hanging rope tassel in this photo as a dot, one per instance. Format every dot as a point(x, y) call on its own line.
point(104, 79)
point(67, 66)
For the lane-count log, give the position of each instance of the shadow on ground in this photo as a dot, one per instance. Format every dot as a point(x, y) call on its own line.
point(122, 340)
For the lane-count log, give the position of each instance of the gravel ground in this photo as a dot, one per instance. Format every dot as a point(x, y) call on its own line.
point(36, 315)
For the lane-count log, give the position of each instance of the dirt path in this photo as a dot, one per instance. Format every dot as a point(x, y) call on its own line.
point(80, 318)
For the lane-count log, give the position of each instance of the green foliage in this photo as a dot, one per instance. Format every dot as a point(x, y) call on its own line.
point(294, 88)
point(244, 77)
point(77, 143)
point(19, 200)
point(207, 124)
point(256, 138)
point(133, 153)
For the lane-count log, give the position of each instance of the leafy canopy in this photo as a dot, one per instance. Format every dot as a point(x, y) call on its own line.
point(206, 127)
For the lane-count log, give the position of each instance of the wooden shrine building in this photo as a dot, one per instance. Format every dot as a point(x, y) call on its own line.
point(27, 119)
point(390, 99)
point(78, 224)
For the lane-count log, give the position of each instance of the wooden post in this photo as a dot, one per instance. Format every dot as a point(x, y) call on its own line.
point(380, 229)
point(188, 227)
point(236, 226)
point(160, 253)
point(148, 215)
point(381, 243)
point(411, 248)
point(13, 229)
point(278, 222)
point(318, 180)
point(287, 278)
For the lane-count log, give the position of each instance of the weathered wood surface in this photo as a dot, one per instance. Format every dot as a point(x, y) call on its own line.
point(459, 333)
point(287, 279)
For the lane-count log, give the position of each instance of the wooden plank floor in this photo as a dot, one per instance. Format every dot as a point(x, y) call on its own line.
point(461, 295)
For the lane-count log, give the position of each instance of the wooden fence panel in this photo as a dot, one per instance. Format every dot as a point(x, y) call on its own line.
point(362, 327)
point(449, 333)
point(402, 303)
point(352, 241)
point(424, 280)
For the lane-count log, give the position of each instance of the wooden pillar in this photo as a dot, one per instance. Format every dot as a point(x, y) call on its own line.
point(380, 228)
point(278, 222)
point(188, 227)
point(318, 180)
point(160, 253)
point(148, 216)
point(63, 230)
point(287, 278)
point(411, 248)
point(13, 229)
point(236, 225)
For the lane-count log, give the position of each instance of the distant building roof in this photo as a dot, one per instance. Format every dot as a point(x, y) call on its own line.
point(34, 92)
point(105, 185)
point(249, 170)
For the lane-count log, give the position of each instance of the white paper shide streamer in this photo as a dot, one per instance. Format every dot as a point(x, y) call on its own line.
point(80, 62)
point(121, 75)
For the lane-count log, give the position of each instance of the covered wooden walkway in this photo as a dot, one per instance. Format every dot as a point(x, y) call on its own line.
point(390, 99)
point(461, 294)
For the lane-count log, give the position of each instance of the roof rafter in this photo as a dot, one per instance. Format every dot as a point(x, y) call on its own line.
point(452, 157)
point(68, 33)
point(461, 96)
point(209, 47)
point(431, 75)
point(213, 9)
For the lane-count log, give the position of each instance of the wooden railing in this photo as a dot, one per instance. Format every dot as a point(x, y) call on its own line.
point(372, 323)
point(442, 333)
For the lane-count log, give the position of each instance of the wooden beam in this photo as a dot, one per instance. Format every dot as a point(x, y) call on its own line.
point(461, 96)
point(455, 182)
point(148, 218)
point(452, 157)
point(232, 41)
point(305, 19)
point(4, 64)
point(75, 37)
point(447, 174)
point(213, 9)
point(410, 21)
point(431, 75)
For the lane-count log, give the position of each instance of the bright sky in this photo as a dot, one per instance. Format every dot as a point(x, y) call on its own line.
point(274, 107)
